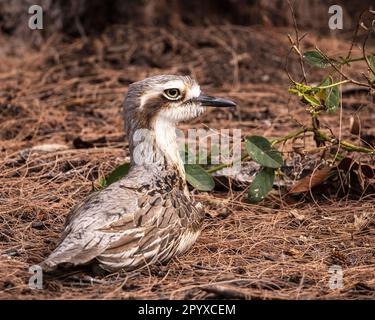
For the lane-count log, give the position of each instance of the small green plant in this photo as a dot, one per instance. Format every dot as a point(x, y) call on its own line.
point(326, 96)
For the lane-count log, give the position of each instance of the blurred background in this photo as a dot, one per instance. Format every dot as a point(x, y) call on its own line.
point(76, 17)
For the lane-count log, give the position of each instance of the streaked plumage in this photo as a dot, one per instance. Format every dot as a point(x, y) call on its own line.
point(147, 216)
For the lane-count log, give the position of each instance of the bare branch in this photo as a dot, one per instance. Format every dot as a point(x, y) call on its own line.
point(296, 45)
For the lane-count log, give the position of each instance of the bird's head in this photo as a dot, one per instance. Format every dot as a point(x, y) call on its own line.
point(167, 98)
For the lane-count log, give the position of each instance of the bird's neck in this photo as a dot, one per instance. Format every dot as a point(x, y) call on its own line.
point(157, 146)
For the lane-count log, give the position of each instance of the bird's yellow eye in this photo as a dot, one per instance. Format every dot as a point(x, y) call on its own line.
point(173, 93)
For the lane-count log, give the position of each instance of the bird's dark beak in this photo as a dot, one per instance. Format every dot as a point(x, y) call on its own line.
point(214, 102)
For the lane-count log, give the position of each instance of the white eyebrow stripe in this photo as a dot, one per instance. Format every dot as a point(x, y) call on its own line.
point(174, 84)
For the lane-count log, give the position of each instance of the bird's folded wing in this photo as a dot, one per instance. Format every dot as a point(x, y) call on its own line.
point(120, 218)
point(87, 227)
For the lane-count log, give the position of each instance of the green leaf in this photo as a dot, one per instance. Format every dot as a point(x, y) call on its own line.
point(331, 95)
point(326, 82)
point(261, 185)
point(115, 175)
point(316, 59)
point(102, 183)
point(261, 151)
point(333, 99)
point(312, 100)
point(371, 61)
point(199, 178)
point(296, 92)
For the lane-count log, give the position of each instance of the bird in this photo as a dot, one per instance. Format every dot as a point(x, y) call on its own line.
point(148, 216)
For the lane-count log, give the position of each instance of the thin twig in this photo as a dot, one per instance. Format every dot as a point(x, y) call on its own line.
point(297, 42)
point(366, 58)
point(355, 35)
